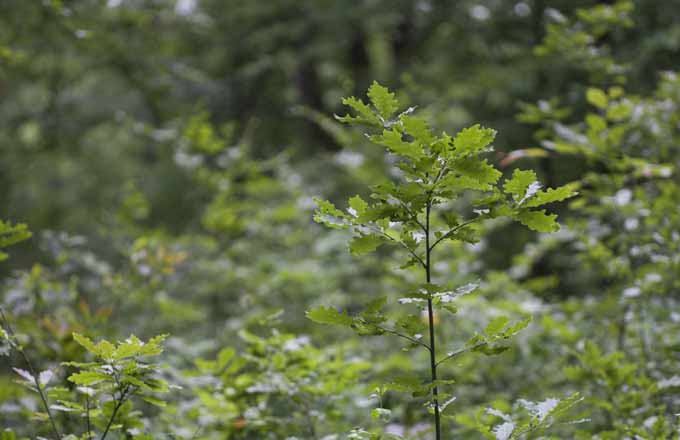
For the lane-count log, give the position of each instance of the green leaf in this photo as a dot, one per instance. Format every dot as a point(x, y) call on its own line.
point(359, 205)
point(67, 407)
point(153, 346)
point(136, 382)
point(551, 195)
point(224, 357)
point(597, 97)
point(496, 325)
point(471, 173)
point(85, 342)
point(129, 348)
point(157, 385)
point(381, 414)
point(154, 401)
point(619, 112)
point(328, 315)
point(412, 324)
point(418, 128)
point(520, 325)
point(375, 306)
point(328, 215)
point(472, 140)
point(538, 220)
point(88, 377)
point(365, 115)
point(383, 100)
point(519, 183)
point(364, 243)
point(596, 123)
point(10, 235)
point(406, 384)
point(105, 349)
point(392, 139)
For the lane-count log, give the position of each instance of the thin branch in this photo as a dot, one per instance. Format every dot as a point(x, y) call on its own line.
point(413, 216)
point(401, 335)
point(451, 231)
point(36, 379)
point(441, 173)
point(120, 402)
point(89, 424)
point(461, 351)
point(420, 260)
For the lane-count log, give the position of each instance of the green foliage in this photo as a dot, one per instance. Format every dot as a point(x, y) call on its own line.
point(538, 417)
point(328, 315)
point(413, 211)
point(12, 234)
point(104, 388)
point(278, 386)
point(437, 170)
point(166, 155)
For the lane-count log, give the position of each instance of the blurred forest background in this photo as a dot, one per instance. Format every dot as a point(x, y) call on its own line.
point(165, 155)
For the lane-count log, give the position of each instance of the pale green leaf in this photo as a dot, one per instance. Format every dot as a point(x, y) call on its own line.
point(383, 100)
point(364, 243)
point(328, 315)
point(364, 116)
point(88, 377)
point(418, 128)
point(551, 195)
point(518, 184)
point(359, 205)
point(538, 220)
point(496, 325)
point(520, 325)
point(473, 140)
point(327, 214)
point(597, 97)
point(156, 402)
point(85, 342)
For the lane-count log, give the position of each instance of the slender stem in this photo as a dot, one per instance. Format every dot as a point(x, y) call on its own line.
point(115, 411)
point(442, 171)
point(430, 315)
point(36, 379)
point(89, 425)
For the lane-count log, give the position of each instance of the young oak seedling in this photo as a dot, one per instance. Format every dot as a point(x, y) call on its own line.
point(414, 211)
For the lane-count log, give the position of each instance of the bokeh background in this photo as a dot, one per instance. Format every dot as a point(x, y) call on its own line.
point(165, 155)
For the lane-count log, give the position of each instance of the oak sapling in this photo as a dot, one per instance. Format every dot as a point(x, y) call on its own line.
point(414, 212)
